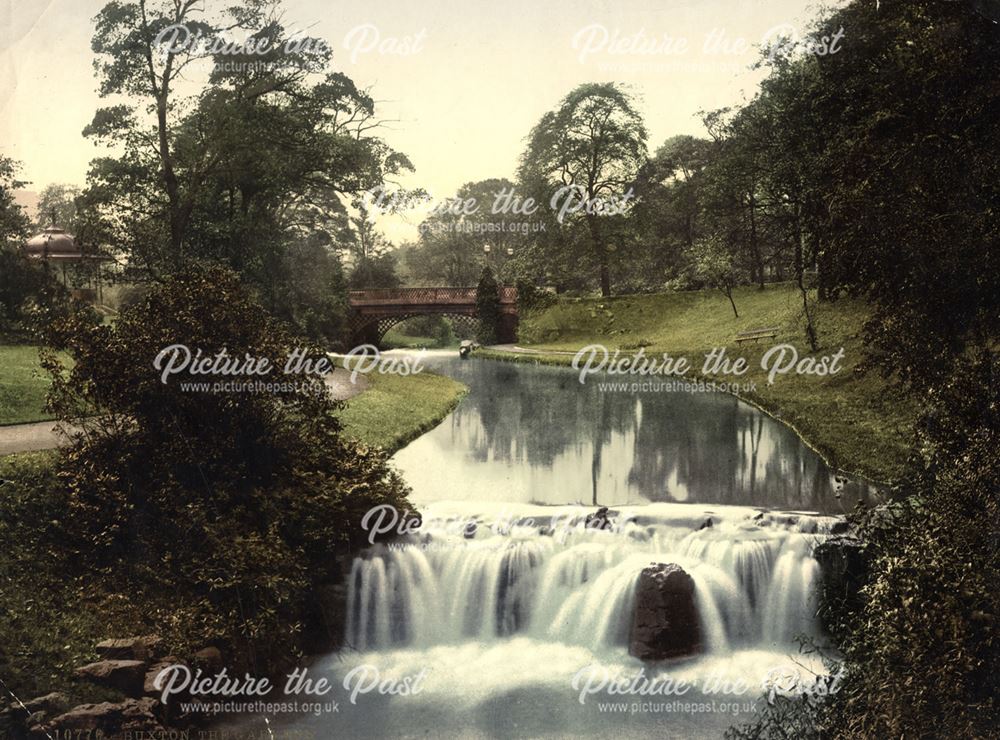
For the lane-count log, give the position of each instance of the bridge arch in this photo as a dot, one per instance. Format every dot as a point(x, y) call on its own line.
point(374, 312)
point(374, 331)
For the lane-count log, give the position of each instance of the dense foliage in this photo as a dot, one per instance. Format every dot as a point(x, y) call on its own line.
point(488, 307)
point(257, 169)
point(236, 502)
point(30, 295)
point(924, 648)
point(900, 197)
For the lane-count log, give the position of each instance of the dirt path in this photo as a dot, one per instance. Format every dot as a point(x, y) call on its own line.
point(42, 435)
point(45, 435)
point(341, 387)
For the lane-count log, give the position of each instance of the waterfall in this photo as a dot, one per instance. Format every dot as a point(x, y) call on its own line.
point(754, 579)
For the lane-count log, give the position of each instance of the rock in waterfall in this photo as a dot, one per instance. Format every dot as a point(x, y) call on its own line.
point(665, 623)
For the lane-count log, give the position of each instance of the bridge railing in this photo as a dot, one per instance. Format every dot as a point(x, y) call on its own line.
point(423, 296)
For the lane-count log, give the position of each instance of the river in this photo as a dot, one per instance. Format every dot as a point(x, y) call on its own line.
point(506, 616)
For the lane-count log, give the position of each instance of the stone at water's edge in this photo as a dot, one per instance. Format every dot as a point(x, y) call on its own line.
point(125, 676)
point(130, 718)
point(844, 565)
point(665, 623)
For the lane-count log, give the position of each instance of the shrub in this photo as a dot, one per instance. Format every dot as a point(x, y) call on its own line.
point(531, 298)
point(236, 504)
point(29, 295)
point(924, 647)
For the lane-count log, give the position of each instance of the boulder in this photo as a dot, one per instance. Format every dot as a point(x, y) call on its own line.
point(209, 659)
point(17, 717)
point(126, 676)
point(599, 519)
point(129, 716)
point(130, 648)
point(148, 687)
point(49, 705)
point(840, 527)
point(665, 623)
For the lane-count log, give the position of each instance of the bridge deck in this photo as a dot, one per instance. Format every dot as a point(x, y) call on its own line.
point(420, 297)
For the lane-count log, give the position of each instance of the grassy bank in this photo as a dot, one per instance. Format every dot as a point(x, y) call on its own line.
point(23, 385)
point(50, 621)
point(858, 423)
point(396, 410)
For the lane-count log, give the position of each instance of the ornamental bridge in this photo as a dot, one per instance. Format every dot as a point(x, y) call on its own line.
point(374, 312)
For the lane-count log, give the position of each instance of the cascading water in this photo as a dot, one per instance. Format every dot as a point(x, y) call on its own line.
point(754, 583)
point(523, 619)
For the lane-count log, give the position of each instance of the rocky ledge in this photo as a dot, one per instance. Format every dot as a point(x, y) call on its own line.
point(128, 666)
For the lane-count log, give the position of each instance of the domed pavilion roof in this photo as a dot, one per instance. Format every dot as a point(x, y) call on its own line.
point(53, 243)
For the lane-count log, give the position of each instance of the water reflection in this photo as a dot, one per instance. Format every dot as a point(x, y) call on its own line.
point(533, 434)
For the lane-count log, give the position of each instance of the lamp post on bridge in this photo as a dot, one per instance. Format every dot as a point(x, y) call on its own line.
point(488, 250)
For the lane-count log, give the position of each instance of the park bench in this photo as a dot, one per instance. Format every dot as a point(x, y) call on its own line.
point(755, 334)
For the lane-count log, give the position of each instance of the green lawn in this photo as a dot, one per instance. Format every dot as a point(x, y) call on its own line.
point(23, 385)
point(859, 423)
point(397, 340)
point(396, 410)
point(394, 339)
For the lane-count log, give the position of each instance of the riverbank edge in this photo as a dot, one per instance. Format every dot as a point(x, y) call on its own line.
point(773, 411)
point(448, 394)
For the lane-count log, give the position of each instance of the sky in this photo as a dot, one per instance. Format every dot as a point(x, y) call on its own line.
point(460, 83)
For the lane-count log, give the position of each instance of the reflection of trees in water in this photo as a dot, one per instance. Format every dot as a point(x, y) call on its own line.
point(707, 444)
point(723, 452)
point(530, 415)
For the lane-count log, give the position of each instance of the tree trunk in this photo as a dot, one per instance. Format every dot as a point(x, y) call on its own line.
point(799, 271)
point(602, 254)
point(758, 260)
point(729, 294)
point(169, 177)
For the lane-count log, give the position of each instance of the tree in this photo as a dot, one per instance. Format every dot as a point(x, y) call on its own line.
point(665, 221)
point(488, 307)
point(897, 188)
point(453, 236)
point(372, 263)
point(13, 221)
point(57, 204)
point(139, 57)
point(735, 178)
point(912, 175)
point(714, 265)
point(264, 159)
point(676, 168)
point(591, 148)
point(29, 294)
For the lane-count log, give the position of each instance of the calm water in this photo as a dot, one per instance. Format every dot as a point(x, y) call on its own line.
point(531, 433)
